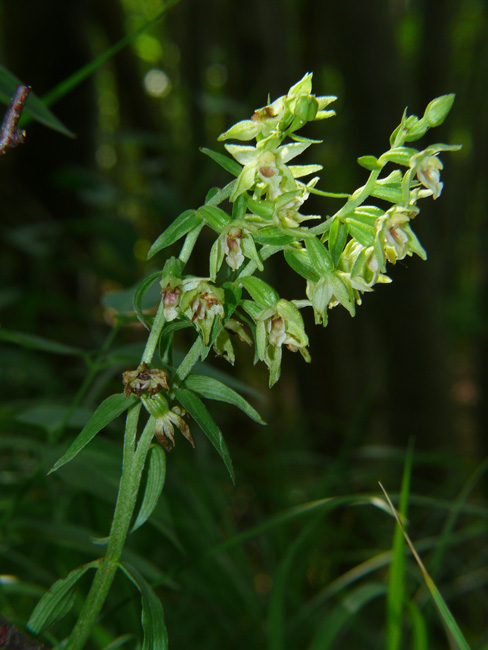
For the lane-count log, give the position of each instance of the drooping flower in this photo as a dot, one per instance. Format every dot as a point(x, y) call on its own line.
point(395, 237)
point(428, 168)
point(166, 420)
point(276, 327)
point(201, 302)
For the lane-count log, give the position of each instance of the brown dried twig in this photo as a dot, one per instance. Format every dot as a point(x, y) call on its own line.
point(10, 135)
point(12, 639)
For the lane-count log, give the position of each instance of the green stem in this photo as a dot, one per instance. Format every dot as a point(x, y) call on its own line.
point(132, 467)
point(152, 341)
point(133, 464)
point(359, 196)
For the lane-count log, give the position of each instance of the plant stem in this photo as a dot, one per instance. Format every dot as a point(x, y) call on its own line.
point(133, 464)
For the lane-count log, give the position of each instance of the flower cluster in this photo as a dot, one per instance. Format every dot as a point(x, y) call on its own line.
point(340, 257)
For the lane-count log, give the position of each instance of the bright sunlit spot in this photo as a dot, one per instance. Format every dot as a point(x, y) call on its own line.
point(157, 83)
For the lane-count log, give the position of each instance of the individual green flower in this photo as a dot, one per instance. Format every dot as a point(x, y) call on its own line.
point(166, 419)
point(235, 243)
point(395, 237)
point(363, 267)
point(428, 168)
point(201, 302)
point(332, 288)
point(265, 164)
point(278, 326)
point(286, 212)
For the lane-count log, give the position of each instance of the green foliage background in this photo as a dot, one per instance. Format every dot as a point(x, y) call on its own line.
point(78, 216)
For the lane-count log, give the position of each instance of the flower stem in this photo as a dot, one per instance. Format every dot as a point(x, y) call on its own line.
point(133, 464)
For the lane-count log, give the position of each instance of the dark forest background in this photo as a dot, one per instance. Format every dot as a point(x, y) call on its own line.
point(79, 214)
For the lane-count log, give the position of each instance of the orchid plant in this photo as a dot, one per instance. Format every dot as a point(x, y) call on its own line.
point(259, 214)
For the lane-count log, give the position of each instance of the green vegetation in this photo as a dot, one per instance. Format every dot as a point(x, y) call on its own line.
point(298, 548)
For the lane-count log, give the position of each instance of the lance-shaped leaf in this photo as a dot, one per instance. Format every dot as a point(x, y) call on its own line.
point(274, 236)
point(33, 342)
point(215, 217)
point(337, 239)
point(227, 163)
point(108, 410)
point(156, 473)
point(58, 600)
point(265, 296)
point(140, 293)
point(181, 226)
point(301, 262)
point(398, 155)
point(202, 417)
point(320, 256)
point(34, 108)
point(211, 388)
point(369, 162)
point(152, 618)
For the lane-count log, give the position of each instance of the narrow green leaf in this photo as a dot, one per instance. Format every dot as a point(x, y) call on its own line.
point(398, 155)
point(388, 192)
point(156, 473)
point(369, 162)
point(227, 163)
point(274, 236)
point(265, 296)
point(139, 295)
point(58, 600)
point(214, 217)
point(420, 639)
point(210, 388)
point(396, 582)
point(108, 410)
point(153, 625)
point(276, 613)
point(320, 256)
point(362, 232)
point(337, 239)
point(182, 225)
point(202, 417)
point(32, 342)
point(35, 108)
point(80, 75)
point(326, 635)
point(444, 610)
point(301, 263)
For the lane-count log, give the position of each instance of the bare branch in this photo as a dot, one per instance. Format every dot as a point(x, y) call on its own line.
point(10, 135)
point(12, 639)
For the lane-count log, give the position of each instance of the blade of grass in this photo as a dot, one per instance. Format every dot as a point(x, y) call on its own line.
point(276, 614)
point(453, 515)
point(396, 582)
point(444, 610)
point(80, 75)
